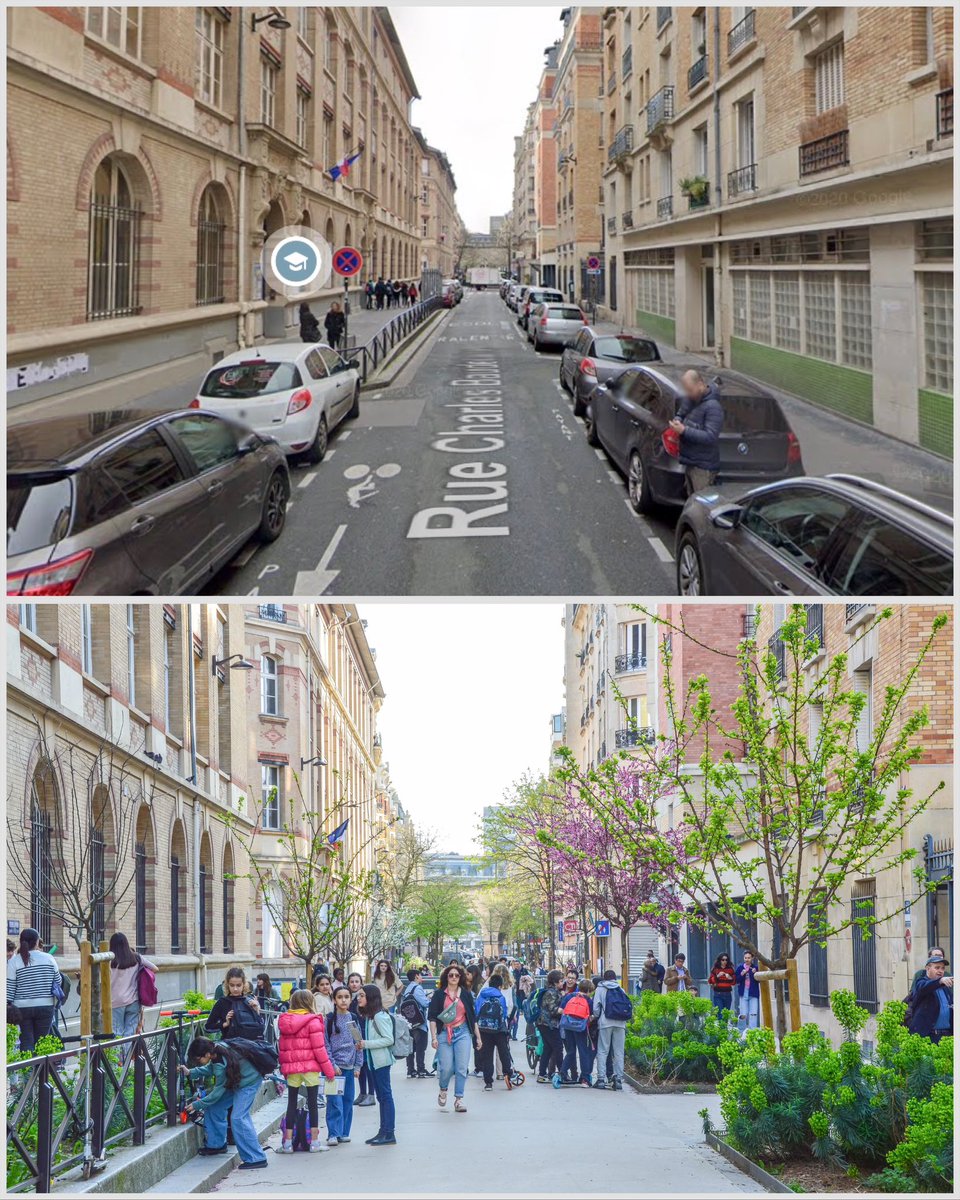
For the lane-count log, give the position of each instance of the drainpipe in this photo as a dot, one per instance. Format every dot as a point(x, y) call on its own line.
point(193, 770)
point(242, 214)
point(717, 270)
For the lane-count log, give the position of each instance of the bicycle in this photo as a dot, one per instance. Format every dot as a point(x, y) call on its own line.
point(179, 1014)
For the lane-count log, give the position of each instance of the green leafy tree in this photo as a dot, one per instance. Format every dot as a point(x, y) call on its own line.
point(442, 909)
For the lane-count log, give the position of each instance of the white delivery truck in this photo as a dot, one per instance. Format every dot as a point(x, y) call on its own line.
point(483, 277)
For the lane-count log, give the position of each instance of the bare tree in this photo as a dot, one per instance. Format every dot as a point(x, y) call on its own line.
point(402, 869)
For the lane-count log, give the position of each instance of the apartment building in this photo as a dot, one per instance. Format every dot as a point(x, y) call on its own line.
point(578, 136)
point(524, 244)
point(441, 229)
point(182, 139)
point(544, 264)
point(778, 190)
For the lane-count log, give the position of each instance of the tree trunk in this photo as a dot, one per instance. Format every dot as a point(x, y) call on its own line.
point(551, 933)
point(96, 999)
point(625, 959)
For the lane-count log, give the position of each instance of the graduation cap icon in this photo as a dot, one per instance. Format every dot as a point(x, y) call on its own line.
point(296, 261)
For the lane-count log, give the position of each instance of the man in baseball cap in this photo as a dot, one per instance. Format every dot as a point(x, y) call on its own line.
point(933, 1002)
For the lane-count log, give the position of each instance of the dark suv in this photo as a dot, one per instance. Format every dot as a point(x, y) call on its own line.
point(840, 535)
point(125, 503)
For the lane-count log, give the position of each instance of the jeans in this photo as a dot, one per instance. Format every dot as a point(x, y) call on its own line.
point(552, 1055)
point(384, 1094)
point(722, 999)
point(454, 1058)
point(340, 1109)
point(611, 1041)
point(415, 1060)
point(244, 1134)
point(498, 1040)
point(749, 1012)
point(34, 1024)
point(126, 1019)
point(578, 1044)
point(366, 1080)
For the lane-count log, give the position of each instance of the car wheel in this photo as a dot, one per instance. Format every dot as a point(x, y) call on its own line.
point(590, 427)
point(274, 513)
point(355, 408)
point(638, 485)
point(536, 344)
point(690, 580)
point(318, 447)
point(563, 383)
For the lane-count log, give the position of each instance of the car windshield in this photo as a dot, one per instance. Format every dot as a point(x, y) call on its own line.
point(625, 349)
point(38, 511)
point(241, 381)
point(563, 314)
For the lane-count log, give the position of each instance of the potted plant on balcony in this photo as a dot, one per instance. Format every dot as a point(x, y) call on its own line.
point(697, 188)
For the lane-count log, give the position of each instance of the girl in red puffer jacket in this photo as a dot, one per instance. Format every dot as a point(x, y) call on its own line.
point(303, 1058)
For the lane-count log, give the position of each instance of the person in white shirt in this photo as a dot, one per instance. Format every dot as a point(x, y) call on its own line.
point(32, 975)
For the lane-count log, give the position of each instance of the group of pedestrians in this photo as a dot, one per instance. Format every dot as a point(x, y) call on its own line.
point(390, 293)
point(334, 323)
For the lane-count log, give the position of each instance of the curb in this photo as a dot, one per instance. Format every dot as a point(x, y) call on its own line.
point(757, 1174)
point(405, 351)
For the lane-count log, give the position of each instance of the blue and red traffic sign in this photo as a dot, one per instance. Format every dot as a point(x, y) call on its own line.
point(347, 261)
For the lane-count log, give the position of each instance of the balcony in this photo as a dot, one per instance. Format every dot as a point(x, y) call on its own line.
point(742, 33)
point(778, 649)
point(621, 145)
point(612, 83)
point(626, 64)
point(945, 114)
point(630, 662)
point(660, 108)
point(825, 153)
point(665, 207)
point(749, 625)
point(625, 738)
point(626, 220)
point(815, 623)
point(272, 612)
point(743, 180)
point(700, 201)
point(697, 73)
point(663, 16)
point(611, 224)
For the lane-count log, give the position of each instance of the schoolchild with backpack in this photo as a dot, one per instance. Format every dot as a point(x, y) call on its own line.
point(236, 1014)
point(575, 1030)
point(412, 1004)
point(544, 1008)
point(493, 1023)
point(303, 1059)
point(133, 983)
point(343, 1043)
point(232, 1077)
point(379, 1037)
point(614, 1009)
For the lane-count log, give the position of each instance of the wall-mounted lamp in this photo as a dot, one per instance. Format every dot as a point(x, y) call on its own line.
point(242, 665)
point(312, 762)
point(274, 18)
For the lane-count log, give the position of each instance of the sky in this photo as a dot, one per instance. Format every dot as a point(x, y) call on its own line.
point(470, 691)
point(477, 70)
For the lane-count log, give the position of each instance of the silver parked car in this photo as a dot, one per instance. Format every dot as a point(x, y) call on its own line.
point(554, 324)
point(537, 295)
point(596, 358)
point(513, 295)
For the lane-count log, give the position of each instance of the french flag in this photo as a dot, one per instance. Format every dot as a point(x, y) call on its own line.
point(343, 167)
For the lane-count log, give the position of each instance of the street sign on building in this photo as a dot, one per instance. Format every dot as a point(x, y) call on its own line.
point(570, 928)
point(593, 265)
point(601, 929)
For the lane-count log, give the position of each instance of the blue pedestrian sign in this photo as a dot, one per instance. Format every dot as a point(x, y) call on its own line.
point(559, 931)
point(601, 929)
point(347, 261)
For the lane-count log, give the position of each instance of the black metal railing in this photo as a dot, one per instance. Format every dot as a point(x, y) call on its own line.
point(660, 107)
point(663, 15)
point(864, 953)
point(743, 32)
point(626, 219)
point(853, 609)
point(744, 179)
point(945, 113)
point(824, 153)
point(642, 736)
point(611, 224)
point(815, 623)
point(778, 649)
point(132, 1086)
point(612, 82)
point(630, 662)
point(626, 63)
point(375, 353)
point(750, 623)
point(665, 206)
point(697, 73)
point(273, 612)
point(820, 800)
point(621, 144)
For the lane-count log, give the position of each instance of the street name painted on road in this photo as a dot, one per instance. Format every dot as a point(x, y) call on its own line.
point(480, 430)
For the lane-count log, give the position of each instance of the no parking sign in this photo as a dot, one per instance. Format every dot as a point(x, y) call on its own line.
point(347, 261)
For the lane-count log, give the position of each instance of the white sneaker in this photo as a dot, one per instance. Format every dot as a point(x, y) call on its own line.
point(318, 1148)
point(333, 1141)
point(285, 1148)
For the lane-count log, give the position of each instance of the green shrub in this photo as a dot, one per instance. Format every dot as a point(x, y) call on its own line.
point(923, 1161)
point(674, 1036)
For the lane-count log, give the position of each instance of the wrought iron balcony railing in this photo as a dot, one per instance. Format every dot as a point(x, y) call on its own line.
point(626, 63)
point(660, 107)
point(815, 623)
point(697, 73)
point(612, 83)
point(744, 179)
point(642, 736)
point(663, 15)
point(621, 144)
point(273, 612)
point(825, 153)
point(626, 219)
point(665, 206)
point(945, 113)
point(630, 662)
point(778, 649)
point(744, 31)
point(611, 224)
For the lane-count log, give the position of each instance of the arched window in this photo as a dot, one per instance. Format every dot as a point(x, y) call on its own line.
point(178, 890)
point(144, 863)
point(228, 900)
point(102, 858)
point(113, 283)
point(206, 895)
point(269, 686)
point(210, 239)
point(43, 816)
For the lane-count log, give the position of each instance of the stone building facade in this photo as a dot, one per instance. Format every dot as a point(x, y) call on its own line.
point(441, 229)
point(777, 189)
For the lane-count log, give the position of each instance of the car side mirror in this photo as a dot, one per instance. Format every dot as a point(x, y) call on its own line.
point(727, 517)
point(353, 364)
point(248, 444)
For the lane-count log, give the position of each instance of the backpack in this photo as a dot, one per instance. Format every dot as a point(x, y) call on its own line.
point(531, 1007)
point(402, 1036)
point(147, 992)
point(616, 1005)
point(262, 1058)
point(410, 1009)
point(549, 1006)
point(301, 1130)
point(576, 1014)
point(490, 1016)
point(908, 1000)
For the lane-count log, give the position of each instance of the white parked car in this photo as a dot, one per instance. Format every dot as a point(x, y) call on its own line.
point(295, 392)
point(513, 295)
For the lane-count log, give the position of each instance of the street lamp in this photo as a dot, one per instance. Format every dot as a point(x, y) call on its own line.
point(242, 665)
point(316, 761)
point(273, 18)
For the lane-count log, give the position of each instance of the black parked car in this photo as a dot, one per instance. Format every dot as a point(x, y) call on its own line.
point(840, 535)
point(125, 503)
point(596, 358)
point(628, 415)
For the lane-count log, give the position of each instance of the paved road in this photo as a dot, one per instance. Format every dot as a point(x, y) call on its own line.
point(532, 1140)
point(469, 476)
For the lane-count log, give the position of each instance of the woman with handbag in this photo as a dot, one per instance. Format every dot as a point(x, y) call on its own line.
point(125, 986)
point(34, 988)
point(453, 1028)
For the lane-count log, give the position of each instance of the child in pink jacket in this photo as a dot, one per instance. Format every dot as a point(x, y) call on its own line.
point(303, 1059)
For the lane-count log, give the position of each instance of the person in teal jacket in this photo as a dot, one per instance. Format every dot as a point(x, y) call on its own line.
point(377, 1046)
point(233, 1082)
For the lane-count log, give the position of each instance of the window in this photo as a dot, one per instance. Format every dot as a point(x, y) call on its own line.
point(884, 560)
point(132, 655)
point(820, 316)
point(635, 641)
point(797, 522)
point(210, 441)
point(303, 111)
point(140, 890)
point(28, 617)
point(210, 230)
point(174, 904)
point(760, 307)
point(269, 77)
point(210, 37)
point(118, 25)
point(330, 48)
point(269, 698)
point(701, 152)
point(143, 467)
point(167, 681)
point(425, 227)
point(746, 144)
point(828, 77)
point(862, 905)
point(41, 886)
point(86, 639)
point(786, 310)
point(270, 795)
point(113, 277)
point(856, 321)
point(205, 899)
point(937, 294)
point(327, 138)
point(303, 14)
point(740, 326)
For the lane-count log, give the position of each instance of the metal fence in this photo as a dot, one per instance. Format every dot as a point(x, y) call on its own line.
point(64, 1110)
point(378, 349)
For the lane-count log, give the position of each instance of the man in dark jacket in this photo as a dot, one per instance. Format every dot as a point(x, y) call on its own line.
point(549, 1024)
point(380, 291)
point(933, 1002)
point(699, 421)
